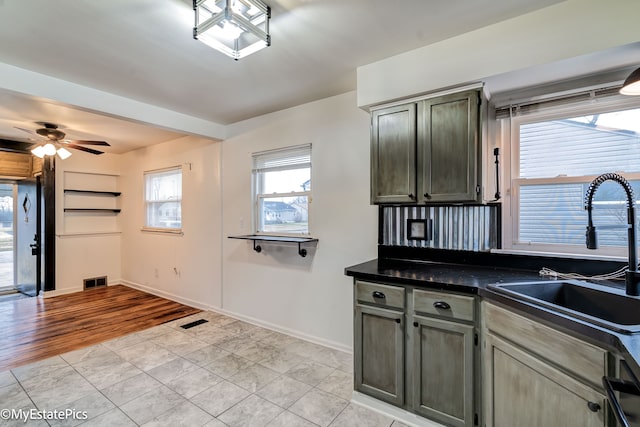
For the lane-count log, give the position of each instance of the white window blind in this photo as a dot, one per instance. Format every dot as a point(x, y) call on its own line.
point(163, 198)
point(559, 146)
point(283, 159)
point(282, 190)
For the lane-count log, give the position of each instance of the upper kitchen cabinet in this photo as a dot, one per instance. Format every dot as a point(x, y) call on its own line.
point(393, 154)
point(448, 148)
point(427, 151)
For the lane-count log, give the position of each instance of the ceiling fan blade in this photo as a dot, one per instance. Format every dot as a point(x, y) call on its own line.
point(81, 148)
point(26, 130)
point(86, 142)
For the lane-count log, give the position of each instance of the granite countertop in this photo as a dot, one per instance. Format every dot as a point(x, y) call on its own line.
point(452, 277)
point(474, 280)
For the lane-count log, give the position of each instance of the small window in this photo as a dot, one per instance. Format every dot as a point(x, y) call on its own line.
point(163, 199)
point(282, 190)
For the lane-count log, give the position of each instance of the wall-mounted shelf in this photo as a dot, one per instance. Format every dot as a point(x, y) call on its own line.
point(91, 210)
point(91, 203)
point(280, 239)
point(105, 193)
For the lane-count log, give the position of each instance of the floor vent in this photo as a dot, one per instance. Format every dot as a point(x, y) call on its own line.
point(195, 323)
point(95, 282)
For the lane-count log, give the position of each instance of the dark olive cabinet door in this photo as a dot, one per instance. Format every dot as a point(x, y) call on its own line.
point(448, 148)
point(379, 353)
point(393, 155)
point(443, 371)
point(525, 392)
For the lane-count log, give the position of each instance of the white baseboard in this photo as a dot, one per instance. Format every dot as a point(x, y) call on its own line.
point(57, 292)
point(287, 331)
point(167, 295)
point(72, 289)
point(389, 410)
point(248, 319)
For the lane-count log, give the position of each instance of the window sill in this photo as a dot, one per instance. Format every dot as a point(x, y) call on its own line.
point(169, 231)
point(532, 252)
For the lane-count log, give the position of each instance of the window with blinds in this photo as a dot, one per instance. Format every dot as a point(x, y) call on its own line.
point(163, 199)
point(282, 190)
point(557, 149)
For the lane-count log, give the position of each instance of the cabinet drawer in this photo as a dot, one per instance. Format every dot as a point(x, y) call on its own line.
point(375, 293)
point(581, 359)
point(444, 304)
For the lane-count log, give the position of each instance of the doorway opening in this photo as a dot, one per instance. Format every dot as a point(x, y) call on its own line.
point(20, 238)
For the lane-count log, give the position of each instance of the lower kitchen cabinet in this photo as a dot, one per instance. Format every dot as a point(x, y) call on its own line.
point(526, 392)
point(443, 374)
point(379, 345)
point(435, 376)
point(536, 376)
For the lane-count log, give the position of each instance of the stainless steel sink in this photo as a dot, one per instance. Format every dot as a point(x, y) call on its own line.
point(601, 305)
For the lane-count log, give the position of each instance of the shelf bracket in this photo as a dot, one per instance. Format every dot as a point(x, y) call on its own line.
point(258, 240)
point(301, 251)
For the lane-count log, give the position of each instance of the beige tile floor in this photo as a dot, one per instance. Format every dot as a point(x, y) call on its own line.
point(223, 372)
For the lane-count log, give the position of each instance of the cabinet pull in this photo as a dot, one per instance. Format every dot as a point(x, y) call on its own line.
point(398, 320)
point(411, 196)
point(416, 324)
point(441, 305)
point(378, 295)
point(427, 196)
point(593, 406)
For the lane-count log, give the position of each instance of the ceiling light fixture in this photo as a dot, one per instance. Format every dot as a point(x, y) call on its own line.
point(236, 28)
point(631, 85)
point(51, 149)
point(63, 153)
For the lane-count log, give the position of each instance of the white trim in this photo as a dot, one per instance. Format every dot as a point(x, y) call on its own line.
point(271, 326)
point(165, 169)
point(507, 131)
point(538, 251)
point(58, 292)
point(83, 172)
point(88, 234)
point(172, 231)
point(399, 414)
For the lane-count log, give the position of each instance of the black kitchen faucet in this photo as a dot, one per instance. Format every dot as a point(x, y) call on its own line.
point(632, 275)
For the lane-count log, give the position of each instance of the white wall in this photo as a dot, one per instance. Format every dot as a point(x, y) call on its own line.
point(306, 296)
point(566, 30)
point(38, 85)
point(185, 268)
point(310, 296)
point(82, 256)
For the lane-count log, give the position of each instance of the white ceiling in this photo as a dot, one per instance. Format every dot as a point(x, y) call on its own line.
point(144, 50)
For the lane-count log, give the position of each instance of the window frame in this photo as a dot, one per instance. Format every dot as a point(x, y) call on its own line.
point(257, 186)
point(508, 132)
point(148, 203)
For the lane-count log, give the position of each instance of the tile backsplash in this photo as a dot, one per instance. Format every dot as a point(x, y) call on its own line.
point(468, 228)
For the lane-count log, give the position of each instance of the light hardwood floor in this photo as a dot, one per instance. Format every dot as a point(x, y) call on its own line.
point(33, 329)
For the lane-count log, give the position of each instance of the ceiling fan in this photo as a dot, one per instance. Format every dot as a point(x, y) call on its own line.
point(55, 142)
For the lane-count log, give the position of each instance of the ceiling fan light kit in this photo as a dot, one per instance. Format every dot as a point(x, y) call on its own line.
point(236, 28)
point(50, 149)
point(55, 142)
